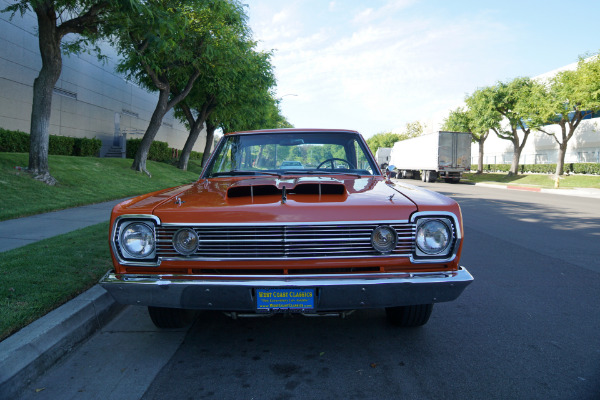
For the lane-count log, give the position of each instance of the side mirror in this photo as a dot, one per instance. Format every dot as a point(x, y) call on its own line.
point(389, 170)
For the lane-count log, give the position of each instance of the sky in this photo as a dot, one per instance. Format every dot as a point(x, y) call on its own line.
point(375, 65)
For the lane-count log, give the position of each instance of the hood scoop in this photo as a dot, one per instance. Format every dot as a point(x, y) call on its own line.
point(286, 189)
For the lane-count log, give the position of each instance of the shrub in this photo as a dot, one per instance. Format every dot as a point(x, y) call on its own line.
point(14, 141)
point(495, 167)
point(585, 168)
point(569, 168)
point(61, 146)
point(159, 151)
point(18, 142)
point(85, 147)
point(195, 155)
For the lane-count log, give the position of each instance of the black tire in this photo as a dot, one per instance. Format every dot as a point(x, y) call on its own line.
point(409, 316)
point(448, 180)
point(432, 175)
point(171, 318)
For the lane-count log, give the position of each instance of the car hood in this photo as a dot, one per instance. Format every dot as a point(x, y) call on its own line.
point(276, 200)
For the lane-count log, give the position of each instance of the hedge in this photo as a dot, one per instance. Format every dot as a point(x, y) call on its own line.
point(574, 168)
point(159, 151)
point(18, 142)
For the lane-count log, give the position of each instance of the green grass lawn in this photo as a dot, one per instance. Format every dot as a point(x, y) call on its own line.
point(535, 180)
point(37, 278)
point(82, 180)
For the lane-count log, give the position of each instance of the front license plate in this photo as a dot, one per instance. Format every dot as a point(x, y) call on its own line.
point(285, 299)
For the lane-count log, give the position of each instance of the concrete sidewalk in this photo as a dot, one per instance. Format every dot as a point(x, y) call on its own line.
point(23, 231)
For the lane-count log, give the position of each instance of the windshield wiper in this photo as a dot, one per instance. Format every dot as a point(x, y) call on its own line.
point(235, 172)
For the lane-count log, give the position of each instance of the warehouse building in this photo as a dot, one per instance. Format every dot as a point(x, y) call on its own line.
point(90, 99)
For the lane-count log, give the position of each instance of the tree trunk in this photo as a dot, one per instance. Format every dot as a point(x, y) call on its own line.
point(210, 135)
point(43, 86)
point(518, 149)
point(139, 162)
point(196, 128)
point(189, 143)
point(162, 107)
point(480, 162)
point(514, 166)
point(560, 163)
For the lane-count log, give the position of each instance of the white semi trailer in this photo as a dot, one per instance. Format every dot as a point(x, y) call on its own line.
point(444, 155)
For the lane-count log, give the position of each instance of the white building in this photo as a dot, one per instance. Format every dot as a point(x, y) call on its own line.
point(541, 148)
point(90, 99)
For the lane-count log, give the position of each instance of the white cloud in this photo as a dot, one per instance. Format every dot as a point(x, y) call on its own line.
point(376, 68)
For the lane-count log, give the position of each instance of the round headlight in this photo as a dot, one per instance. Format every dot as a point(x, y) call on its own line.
point(384, 239)
point(433, 236)
point(137, 240)
point(185, 241)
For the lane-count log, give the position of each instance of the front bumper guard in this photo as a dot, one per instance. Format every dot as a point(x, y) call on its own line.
point(333, 292)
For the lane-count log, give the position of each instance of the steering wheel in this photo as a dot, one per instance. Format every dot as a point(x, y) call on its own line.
point(331, 160)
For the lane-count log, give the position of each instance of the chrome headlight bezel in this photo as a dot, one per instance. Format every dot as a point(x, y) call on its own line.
point(451, 222)
point(125, 256)
point(432, 232)
point(146, 240)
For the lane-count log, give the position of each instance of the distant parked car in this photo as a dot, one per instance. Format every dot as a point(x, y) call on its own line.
point(291, 165)
point(251, 237)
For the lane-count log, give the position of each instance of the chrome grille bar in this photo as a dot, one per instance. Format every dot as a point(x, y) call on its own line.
point(333, 240)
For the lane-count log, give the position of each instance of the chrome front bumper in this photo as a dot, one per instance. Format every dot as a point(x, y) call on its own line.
point(333, 292)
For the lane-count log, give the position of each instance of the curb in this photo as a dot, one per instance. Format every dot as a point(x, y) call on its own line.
point(578, 192)
point(27, 354)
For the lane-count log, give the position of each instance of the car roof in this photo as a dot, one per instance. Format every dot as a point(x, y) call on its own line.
point(292, 130)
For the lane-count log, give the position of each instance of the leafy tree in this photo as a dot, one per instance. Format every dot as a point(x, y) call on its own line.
point(413, 129)
point(566, 100)
point(382, 139)
point(513, 100)
point(237, 78)
point(479, 119)
point(260, 110)
point(165, 51)
point(88, 19)
point(387, 139)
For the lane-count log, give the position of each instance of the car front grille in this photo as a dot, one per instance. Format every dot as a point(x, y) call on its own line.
point(333, 240)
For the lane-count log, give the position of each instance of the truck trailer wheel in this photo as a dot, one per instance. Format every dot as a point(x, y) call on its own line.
point(429, 176)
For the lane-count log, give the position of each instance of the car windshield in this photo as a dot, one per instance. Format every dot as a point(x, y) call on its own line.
point(291, 153)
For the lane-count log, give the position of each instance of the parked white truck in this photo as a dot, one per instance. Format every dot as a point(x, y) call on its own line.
point(444, 155)
point(382, 155)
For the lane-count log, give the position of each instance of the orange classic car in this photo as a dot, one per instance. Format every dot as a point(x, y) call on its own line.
point(255, 235)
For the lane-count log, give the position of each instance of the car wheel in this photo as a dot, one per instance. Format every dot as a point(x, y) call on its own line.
point(409, 316)
point(171, 318)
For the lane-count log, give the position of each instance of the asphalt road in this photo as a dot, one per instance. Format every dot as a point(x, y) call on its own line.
point(527, 328)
